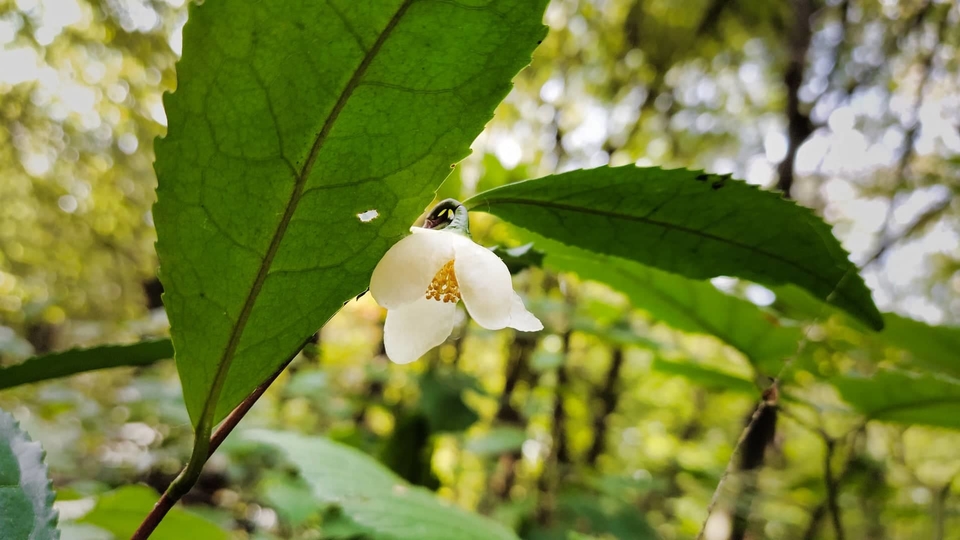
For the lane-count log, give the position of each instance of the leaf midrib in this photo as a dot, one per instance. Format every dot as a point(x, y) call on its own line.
point(670, 226)
point(226, 359)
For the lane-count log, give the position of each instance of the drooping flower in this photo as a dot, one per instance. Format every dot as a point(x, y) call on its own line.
point(421, 279)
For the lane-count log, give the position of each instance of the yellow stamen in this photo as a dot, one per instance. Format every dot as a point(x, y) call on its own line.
point(444, 287)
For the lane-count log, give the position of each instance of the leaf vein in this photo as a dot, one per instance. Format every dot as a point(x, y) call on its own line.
point(262, 273)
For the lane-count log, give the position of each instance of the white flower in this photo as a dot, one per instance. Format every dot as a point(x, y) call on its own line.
point(421, 279)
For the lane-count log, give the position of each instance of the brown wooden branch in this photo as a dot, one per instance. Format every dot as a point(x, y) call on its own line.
point(752, 457)
point(799, 127)
point(832, 484)
point(770, 398)
point(608, 403)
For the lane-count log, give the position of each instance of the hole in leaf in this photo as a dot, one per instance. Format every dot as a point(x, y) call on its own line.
point(368, 216)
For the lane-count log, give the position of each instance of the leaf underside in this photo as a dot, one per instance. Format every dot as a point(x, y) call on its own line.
point(687, 222)
point(373, 497)
point(686, 304)
point(291, 118)
point(933, 347)
point(26, 498)
point(904, 397)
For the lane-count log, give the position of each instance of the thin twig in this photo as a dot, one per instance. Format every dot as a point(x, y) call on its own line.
point(608, 400)
point(764, 403)
point(730, 465)
point(831, 482)
point(816, 515)
point(940, 510)
point(831, 485)
point(169, 498)
point(923, 219)
point(910, 142)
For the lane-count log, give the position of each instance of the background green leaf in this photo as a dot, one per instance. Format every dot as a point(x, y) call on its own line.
point(63, 364)
point(26, 499)
point(121, 511)
point(519, 258)
point(934, 347)
point(687, 222)
point(904, 397)
point(686, 304)
point(289, 121)
point(705, 376)
point(497, 440)
point(373, 497)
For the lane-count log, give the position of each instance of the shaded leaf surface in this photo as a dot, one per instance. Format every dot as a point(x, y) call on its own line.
point(290, 119)
point(687, 222)
point(904, 397)
point(705, 376)
point(290, 497)
point(686, 304)
point(26, 498)
point(63, 364)
point(441, 400)
point(519, 258)
point(121, 511)
point(373, 497)
point(934, 347)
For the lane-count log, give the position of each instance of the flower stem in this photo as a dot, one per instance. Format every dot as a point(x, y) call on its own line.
point(191, 473)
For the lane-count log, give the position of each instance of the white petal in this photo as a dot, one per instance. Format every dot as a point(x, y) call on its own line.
point(413, 329)
point(405, 271)
point(485, 285)
point(521, 319)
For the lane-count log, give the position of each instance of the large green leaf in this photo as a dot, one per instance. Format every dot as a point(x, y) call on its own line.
point(904, 397)
point(688, 222)
point(26, 500)
point(934, 347)
point(373, 497)
point(705, 376)
point(121, 511)
point(686, 304)
point(62, 364)
point(291, 118)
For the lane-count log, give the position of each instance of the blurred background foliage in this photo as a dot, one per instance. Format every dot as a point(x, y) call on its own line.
point(620, 418)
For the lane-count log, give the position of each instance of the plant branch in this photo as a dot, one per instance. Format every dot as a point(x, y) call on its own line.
point(752, 455)
point(770, 398)
point(608, 399)
point(754, 420)
point(830, 483)
point(922, 220)
point(833, 486)
point(799, 126)
point(940, 510)
point(910, 142)
point(175, 491)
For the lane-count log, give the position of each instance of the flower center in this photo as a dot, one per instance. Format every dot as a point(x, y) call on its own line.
point(444, 287)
